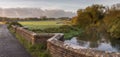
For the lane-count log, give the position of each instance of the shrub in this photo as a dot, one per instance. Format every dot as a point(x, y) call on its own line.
point(13, 23)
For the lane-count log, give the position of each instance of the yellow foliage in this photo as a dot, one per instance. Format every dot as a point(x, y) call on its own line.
point(74, 20)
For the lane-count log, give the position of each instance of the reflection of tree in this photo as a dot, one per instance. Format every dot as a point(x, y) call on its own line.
point(115, 43)
point(82, 43)
point(95, 35)
point(94, 44)
point(92, 36)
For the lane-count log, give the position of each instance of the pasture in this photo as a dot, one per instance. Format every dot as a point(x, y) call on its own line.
point(32, 25)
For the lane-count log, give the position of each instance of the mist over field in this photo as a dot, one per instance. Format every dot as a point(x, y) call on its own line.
point(34, 12)
point(49, 8)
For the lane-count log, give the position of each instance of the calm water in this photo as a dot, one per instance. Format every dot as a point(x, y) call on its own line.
point(104, 44)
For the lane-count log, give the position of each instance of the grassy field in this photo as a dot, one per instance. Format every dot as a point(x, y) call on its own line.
point(41, 24)
point(52, 27)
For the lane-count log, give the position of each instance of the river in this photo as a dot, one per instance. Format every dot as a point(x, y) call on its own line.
point(98, 41)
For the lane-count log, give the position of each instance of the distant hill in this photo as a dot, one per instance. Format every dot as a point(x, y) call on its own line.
point(33, 12)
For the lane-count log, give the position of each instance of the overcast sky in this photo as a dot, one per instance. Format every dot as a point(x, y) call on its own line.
point(68, 5)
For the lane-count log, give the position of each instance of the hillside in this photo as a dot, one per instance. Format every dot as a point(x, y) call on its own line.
point(33, 12)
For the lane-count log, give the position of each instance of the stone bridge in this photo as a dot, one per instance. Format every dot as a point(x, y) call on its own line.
point(57, 47)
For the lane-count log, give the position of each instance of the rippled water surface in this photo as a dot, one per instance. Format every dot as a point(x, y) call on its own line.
point(104, 44)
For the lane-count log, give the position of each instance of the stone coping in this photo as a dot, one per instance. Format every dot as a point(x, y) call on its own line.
point(85, 51)
point(32, 33)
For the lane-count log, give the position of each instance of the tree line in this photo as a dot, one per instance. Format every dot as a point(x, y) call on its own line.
point(43, 18)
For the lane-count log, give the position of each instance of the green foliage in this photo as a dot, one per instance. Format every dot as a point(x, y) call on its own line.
point(13, 23)
point(69, 31)
point(53, 27)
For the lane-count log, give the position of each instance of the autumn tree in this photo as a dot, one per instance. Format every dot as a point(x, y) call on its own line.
point(112, 20)
point(74, 20)
point(96, 12)
point(88, 16)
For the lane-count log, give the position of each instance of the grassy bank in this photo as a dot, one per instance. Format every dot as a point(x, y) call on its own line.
point(37, 50)
point(69, 31)
point(53, 27)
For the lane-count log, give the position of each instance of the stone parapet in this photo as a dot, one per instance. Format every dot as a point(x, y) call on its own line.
point(58, 48)
point(32, 36)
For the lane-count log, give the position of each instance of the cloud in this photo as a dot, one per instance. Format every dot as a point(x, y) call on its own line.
point(34, 12)
point(68, 5)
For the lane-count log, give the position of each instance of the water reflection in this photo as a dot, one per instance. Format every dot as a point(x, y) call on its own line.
point(104, 44)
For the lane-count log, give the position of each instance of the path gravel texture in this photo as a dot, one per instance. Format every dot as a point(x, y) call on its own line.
point(9, 45)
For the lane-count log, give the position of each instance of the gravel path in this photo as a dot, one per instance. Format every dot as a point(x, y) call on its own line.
point(9, 45)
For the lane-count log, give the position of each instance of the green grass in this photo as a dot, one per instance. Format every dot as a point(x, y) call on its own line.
point(69, 31)
point(36, 50)
point(41, 24)
point(53, 27)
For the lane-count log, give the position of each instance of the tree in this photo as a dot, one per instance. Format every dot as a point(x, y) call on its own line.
point(83, 19)
point(88, 16)
point(96, 12)
point(112, 21)
point(74, 20)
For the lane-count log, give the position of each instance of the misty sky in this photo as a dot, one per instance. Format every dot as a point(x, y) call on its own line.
point(68, 5)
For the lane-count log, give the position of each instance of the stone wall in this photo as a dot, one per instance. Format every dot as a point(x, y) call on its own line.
point(58, 48)
point(31, 36)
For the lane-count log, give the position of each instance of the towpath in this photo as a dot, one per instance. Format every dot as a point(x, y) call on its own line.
point(9, 45)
